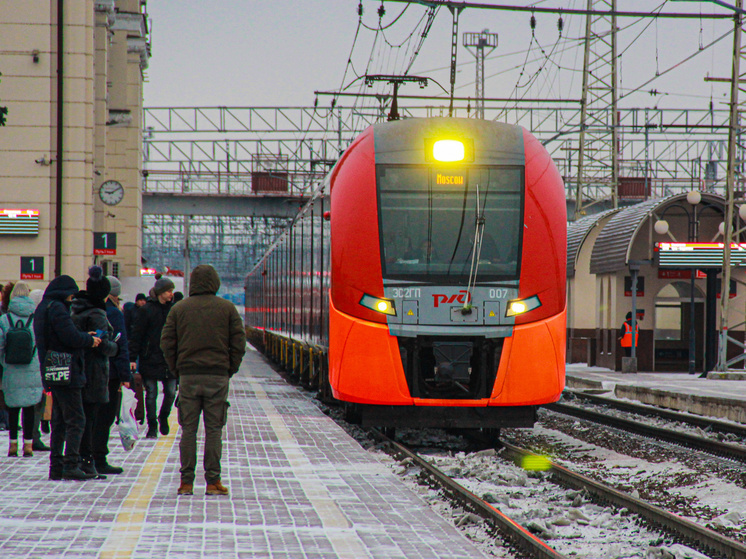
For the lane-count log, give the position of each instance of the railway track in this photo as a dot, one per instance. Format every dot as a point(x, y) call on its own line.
point(699, 537)
point(708, 541)
point(514, 532)
point(707, 423)
point(703, 444)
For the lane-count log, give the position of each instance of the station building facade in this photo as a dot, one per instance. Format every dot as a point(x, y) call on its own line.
point(602, 251)
point(71, 145)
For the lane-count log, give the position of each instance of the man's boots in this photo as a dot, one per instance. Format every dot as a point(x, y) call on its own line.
point(152, 431)
point(103, 467)
point(75, 474)
point(87, 465)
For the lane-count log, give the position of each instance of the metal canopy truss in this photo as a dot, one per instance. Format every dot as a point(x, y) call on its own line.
point(231, 244)
point(217, 152)
point(597, 157)
point(676, 145)
point(257, 120)
point(227, 205)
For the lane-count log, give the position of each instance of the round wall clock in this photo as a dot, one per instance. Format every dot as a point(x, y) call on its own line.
point(111, 192)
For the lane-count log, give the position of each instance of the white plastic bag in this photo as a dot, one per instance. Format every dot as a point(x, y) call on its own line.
point(127, 426)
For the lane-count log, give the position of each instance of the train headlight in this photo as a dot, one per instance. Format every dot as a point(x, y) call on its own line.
point(384, 306)
point(520, 306)
point(448, 151)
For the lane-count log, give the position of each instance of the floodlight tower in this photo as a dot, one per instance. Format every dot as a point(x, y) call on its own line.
point(480, 41)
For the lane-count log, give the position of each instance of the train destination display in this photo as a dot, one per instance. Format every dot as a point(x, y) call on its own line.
point(698, 255)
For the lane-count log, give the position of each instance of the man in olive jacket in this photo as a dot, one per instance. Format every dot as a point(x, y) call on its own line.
point(203, 342)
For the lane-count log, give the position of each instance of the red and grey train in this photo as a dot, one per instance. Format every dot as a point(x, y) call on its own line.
point(428, 273)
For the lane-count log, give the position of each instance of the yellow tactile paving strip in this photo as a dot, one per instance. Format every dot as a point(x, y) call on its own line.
point(130, 520)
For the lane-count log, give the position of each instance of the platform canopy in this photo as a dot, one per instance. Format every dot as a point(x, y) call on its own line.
point(612, 247)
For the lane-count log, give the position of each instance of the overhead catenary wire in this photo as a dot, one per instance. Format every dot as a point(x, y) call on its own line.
point(529, 84)
point(659, 74)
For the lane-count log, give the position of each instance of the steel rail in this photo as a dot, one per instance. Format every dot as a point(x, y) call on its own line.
point(699, 537)
point(710, 446)
point(651, 411)
point(517, 534)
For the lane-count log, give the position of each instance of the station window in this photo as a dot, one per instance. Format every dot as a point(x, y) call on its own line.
point(668, 321)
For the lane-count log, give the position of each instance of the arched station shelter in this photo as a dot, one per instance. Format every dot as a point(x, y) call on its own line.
point(602, 251)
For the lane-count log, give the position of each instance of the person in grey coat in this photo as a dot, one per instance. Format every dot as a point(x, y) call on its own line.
point(21, 382)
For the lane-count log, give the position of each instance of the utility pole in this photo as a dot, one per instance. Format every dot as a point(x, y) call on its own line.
point(733, 133)
point(480, 41)
point(455, 11)
point(599, 117)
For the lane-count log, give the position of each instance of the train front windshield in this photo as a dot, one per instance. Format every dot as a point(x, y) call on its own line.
point(432, 221)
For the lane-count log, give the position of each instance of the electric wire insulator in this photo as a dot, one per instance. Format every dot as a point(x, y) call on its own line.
point(360, 10)
point(533, 22)
point(560, 24)
point(381, 11)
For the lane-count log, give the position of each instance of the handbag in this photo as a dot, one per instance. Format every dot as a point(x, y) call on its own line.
point(57, 364)
point(57, 368)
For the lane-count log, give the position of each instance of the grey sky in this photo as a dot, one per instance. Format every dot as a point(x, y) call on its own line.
point(275, 53)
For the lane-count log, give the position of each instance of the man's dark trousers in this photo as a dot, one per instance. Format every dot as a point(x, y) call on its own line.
point(68, 423)
point(151, 399)
point(207, 395)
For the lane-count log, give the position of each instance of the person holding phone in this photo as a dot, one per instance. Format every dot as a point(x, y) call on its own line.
point(55, 331)
point(89, 315)
point(119, 376)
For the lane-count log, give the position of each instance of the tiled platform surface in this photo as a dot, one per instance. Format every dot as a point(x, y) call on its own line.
point(724, 399)
point(300, 488)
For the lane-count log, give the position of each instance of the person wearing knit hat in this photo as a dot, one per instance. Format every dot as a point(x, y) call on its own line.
point(89, 315)
point(162, 285)
point(119, 375)
point(116, 286)
point(97, 285)
point(147, 358)
point(36, 296)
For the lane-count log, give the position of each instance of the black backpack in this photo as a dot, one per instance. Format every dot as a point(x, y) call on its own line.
point(19, 342)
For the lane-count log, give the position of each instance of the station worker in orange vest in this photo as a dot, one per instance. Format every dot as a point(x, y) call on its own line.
point(625, 335)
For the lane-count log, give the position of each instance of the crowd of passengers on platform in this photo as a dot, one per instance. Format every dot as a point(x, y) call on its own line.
point(103, 347)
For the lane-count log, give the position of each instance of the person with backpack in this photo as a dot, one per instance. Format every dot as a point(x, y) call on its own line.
point(21, 375)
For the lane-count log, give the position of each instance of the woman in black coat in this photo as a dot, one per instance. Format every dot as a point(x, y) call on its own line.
point(54, 330)
point(89, 315)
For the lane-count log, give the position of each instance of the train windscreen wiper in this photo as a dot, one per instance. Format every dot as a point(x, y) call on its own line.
point(475, 253)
